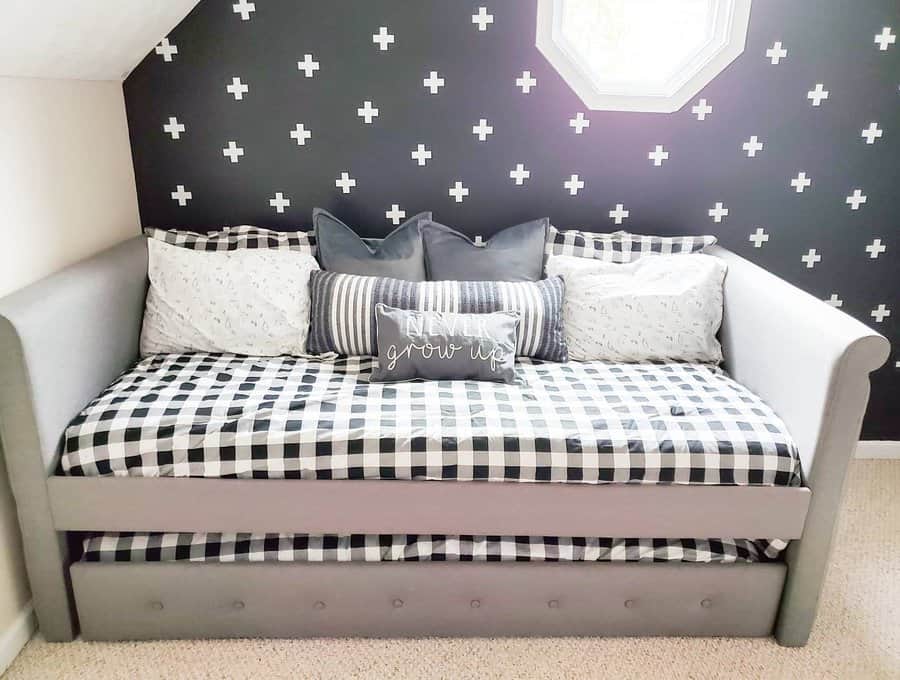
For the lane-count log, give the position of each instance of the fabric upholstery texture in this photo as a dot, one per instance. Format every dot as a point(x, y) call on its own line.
point(343, 309)
point(400, 254)
point(444, 345)
point(666, 308)
point(243, 301)
point(513, 254)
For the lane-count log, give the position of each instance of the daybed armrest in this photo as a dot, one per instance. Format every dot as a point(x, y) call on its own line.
point(62, 341)
point(811, 363)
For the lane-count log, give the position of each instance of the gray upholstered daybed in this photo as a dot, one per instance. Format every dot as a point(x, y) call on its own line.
point(65, 339)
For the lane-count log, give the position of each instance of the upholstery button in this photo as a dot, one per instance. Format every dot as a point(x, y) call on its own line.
point(397, 603)
point(239, 604)
point(553, 604)
point(157, 605)
point(707, 603)
point(319, 605)
point(475, 604)
point(630, 604)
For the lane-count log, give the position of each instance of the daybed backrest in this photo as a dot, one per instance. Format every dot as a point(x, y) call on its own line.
point(809, 361)
point(64, 339)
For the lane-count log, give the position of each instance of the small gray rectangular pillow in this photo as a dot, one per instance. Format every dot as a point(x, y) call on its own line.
point(514, 254)
point(445, 345)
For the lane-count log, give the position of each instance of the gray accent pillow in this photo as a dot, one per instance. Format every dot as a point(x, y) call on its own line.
point(342, 309)
point(400, 254)
point(445, 345)
point(514, 254)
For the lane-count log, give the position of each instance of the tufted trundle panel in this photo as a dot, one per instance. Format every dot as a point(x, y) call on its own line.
point(196, 600)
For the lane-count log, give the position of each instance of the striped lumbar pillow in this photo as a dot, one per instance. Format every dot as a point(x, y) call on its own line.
point(621, 246)
point(342, 307)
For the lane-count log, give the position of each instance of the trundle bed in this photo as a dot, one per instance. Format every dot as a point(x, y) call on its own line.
point(217, 495)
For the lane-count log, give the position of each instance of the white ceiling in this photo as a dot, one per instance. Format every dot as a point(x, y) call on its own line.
point(83, 39)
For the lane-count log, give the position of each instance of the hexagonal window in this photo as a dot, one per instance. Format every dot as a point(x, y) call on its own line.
point(640, 55)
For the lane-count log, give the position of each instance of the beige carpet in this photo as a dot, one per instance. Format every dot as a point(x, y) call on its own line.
point(857, 634)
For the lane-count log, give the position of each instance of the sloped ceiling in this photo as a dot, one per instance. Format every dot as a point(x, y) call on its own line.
point(83, 39)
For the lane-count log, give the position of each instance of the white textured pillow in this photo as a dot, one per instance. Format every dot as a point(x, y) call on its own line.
point(656, 308)
point(253, 302)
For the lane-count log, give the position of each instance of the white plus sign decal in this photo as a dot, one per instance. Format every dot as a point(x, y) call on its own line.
point(574, 185)
point(701, 109)
point(367, 112)
point(482, 130)
point(885, 38)
point(395, 214)
point(237, 88)
point(872, 133)
point(309, 65)
point(579, 122)
point(752, 146)
point(345, 182)
point(776, 52)
point(421, 155)
point(301, 134)
point(458, 192)
point(383, 38)
point(758, 237)
point(233, 151)
point(619, 213)
point(800, 182)
point(876, 248)
point(279, 202)
point(817, 94)
point(433, 82)
point(880, 313)
point(479, 241)
point(243, 8)
point(482, 18)
point(658, 155)
point(174, 128)
point(855, 199)
point(526, 82)
point(181, 195)
point(166, 49)
point(520, 174)
point(811, 258)
point(835, 301)
point(718, 212)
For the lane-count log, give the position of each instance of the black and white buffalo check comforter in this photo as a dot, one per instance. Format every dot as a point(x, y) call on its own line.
point(233, 547)
point(228, 416)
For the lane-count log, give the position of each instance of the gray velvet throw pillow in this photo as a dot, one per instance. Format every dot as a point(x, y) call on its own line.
point(514, 254)
point(445, 345)
point(399, 255)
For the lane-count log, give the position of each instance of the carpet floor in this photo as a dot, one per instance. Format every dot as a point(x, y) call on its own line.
point(857, 634)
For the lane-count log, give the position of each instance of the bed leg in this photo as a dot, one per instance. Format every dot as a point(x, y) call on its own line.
point(47, 564)
point(807, 559)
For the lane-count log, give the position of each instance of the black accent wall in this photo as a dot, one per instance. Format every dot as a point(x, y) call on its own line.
point(831, 42)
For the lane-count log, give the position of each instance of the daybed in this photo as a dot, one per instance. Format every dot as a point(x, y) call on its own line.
point(389, 514)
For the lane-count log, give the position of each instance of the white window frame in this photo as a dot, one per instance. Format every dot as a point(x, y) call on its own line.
point(729, 38)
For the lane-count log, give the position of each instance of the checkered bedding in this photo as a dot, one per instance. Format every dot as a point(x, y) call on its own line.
point(594, 422)
point(167, 547)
